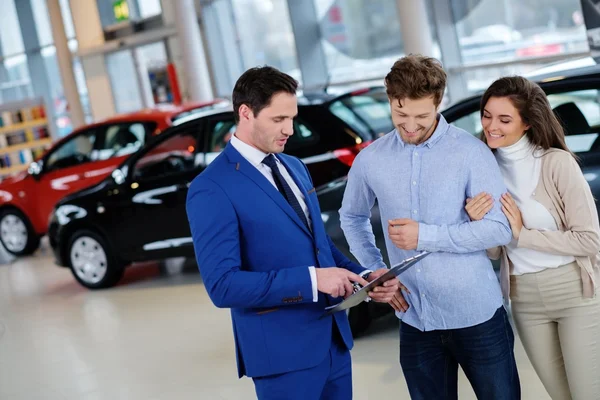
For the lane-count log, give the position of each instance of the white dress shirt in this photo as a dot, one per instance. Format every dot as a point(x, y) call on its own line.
point(255, 157)
point(521, 168)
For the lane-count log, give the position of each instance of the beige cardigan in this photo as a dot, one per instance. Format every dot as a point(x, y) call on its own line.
point(563, 190)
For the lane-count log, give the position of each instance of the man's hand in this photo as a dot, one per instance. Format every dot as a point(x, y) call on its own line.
point(404, 233)
point(398, 302)
point(337, 282)
point(385, 293)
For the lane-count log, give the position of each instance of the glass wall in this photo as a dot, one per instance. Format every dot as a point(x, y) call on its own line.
point(149, 8)
point(15, 83)
point(493, 31)
point(265, 35)
point(361, 38)
point(48, 51)
point(125, 86)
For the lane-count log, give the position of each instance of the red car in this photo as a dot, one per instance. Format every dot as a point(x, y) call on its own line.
point(79, 160)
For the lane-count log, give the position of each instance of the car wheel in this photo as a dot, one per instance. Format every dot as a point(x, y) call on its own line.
point(92, 261)
point(17, 234)
point(359, 318)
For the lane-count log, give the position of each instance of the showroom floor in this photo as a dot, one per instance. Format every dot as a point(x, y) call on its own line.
point(155, 336)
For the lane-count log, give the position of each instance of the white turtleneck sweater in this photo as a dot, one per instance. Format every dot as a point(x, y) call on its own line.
point(521, 166)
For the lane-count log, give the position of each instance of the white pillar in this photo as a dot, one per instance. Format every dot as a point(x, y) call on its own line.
point(415, 28)
point(65, 64)
point(195, 66)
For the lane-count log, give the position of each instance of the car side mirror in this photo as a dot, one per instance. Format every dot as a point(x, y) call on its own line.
point(35, 169)
point(118, 176)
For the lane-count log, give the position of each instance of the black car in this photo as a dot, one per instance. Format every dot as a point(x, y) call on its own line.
point(139, 212)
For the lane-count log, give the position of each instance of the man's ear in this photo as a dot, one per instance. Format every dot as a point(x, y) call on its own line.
point(245, 113)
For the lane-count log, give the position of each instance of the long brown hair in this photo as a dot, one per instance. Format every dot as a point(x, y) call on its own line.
point(534, 108)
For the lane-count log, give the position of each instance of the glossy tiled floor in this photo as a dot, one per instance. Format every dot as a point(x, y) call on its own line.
point(156, 336)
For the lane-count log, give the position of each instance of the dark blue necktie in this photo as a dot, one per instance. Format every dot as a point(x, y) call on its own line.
point(284, 188)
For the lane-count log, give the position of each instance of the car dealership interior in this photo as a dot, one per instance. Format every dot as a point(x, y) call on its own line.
point(110, 109)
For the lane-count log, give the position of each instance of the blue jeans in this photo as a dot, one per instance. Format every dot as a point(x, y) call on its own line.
point(485, 352)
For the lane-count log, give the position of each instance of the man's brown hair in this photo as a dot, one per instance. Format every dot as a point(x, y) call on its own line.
point(416, 77)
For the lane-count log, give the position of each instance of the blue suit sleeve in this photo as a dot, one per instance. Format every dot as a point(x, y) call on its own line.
point(491, 231)
point(216, 236)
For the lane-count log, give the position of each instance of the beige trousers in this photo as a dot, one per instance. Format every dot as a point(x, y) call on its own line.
point(560, 331)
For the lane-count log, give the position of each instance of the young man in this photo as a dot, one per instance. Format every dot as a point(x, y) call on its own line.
point(421, 175)
point(263, 252)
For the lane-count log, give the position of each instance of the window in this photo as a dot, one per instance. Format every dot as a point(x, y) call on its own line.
point(122, 73)
point(578, 111)
point(470, 123)
point(76, 151)
point(120, 140)
point(507, 31)
point(101, 144)
point(221, 131)
point(362, 39)
point(303, 137)
point(264, 31)
point(177, 154)
point(11, 39)
point(149, 8)
point(368, 113)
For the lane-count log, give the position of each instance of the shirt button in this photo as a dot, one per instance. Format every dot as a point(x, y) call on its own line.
point(414, 182)
point(414, 211)
point(416, 154)
point(422, 295)
point(418, 270)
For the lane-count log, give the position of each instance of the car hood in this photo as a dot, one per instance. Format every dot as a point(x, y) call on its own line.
point(11, 180)
point(82, 195)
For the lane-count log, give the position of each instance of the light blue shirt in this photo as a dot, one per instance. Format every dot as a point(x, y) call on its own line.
point(456, 286)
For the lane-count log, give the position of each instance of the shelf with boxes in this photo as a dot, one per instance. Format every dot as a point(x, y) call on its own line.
point(25, 133)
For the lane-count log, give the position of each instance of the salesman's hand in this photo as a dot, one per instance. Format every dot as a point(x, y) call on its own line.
point(384, 293)
point(404, 233)
point(337, 282)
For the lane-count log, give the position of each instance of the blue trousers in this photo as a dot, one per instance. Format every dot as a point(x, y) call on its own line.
point(330, 380)
point(485, 352)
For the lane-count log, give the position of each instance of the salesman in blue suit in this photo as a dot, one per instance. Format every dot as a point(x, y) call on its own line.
point(263, 252)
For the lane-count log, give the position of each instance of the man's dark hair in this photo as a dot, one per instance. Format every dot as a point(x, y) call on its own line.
point(256, 87)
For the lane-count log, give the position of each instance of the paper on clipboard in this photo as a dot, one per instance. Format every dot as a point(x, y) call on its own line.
point(360, 296)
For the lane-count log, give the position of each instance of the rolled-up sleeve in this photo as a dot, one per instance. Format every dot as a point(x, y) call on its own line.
point(355, 216)
point(470, 236)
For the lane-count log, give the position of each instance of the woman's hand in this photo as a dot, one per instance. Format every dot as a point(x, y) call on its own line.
point(479, 205)
point(512, 212)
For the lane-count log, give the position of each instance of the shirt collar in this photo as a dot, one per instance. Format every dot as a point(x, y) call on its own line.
point(253, 155)
point(442, 127)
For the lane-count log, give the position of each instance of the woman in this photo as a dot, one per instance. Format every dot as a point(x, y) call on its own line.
point(550, 269)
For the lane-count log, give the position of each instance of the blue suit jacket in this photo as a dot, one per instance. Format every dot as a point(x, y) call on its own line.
point(253, 253)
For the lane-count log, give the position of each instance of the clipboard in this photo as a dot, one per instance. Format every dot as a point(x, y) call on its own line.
point(360, 296)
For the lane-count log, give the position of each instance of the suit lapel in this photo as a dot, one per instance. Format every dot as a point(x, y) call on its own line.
point(243, 166)
point(312, 207)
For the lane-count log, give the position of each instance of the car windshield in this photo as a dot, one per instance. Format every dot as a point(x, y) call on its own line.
point(366, 111)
